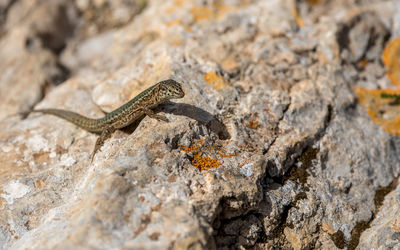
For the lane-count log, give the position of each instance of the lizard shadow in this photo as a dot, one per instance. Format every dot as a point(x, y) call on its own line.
point(191, 111)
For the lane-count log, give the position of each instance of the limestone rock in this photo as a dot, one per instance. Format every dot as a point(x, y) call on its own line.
point(268, 149)
point(383, 231)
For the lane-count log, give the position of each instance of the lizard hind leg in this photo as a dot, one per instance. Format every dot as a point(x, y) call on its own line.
point(105, 134)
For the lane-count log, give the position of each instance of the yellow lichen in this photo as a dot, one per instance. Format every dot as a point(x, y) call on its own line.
point(382, 105)
point(215, 10)
point(200, 13)
point(391, 58)
point(381, 109)
point(214, 80)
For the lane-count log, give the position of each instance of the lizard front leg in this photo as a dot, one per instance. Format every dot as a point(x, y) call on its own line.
point(105, 134)
point(151, 114)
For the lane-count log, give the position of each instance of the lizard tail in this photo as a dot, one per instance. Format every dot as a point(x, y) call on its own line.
point(75, 118)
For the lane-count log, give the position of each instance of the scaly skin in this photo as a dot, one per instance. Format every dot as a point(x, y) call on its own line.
point(125, 115)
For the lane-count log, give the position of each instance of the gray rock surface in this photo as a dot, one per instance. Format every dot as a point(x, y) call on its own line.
point(268, 149)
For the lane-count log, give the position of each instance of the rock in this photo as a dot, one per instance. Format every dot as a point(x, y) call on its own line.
point(268, 149)
point(383, 231)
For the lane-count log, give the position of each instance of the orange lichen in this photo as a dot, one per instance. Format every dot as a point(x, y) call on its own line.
point(201, 13)
point(214, 80)
point(214, 11)
point(252, 124)
point(179, 3)
point(193, 147)
point(381, 107)
point(363, 63)
point(174, 22)
point(223, 155)
point(174, 6)
point(200, 155)
point(204, 162)
point(188, 29)
point(391, 58)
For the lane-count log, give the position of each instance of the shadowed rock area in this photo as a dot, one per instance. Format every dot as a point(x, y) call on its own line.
point(269, 148)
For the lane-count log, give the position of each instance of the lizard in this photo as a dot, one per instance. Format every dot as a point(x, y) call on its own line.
point(125, 115)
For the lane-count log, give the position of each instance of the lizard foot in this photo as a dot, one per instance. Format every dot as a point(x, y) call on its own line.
point(105, 134)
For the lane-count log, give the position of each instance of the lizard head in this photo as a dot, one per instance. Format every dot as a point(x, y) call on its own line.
point(170, 89)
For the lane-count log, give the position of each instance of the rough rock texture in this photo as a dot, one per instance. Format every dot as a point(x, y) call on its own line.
point(268, 149)
point(384, 229)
